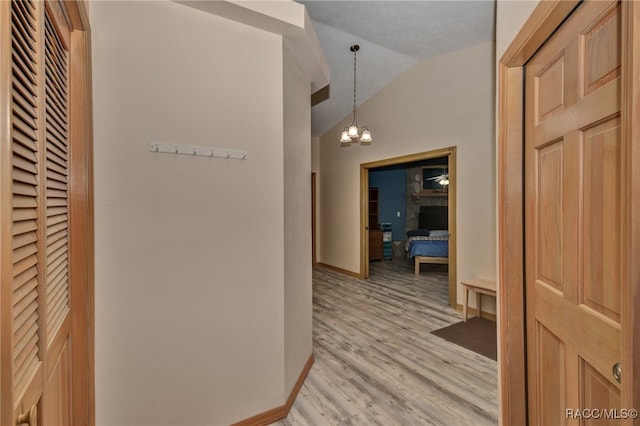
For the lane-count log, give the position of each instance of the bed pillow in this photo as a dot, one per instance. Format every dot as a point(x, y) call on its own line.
point(418, 233)
point(439, 233)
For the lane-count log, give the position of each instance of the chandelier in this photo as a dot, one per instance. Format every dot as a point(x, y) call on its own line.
point(353, 133)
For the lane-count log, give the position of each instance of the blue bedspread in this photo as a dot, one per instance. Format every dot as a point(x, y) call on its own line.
point(432, 248)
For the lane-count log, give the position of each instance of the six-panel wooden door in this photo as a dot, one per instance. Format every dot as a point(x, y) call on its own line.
point(574, 218)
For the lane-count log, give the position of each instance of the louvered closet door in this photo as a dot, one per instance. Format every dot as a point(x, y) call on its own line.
point(41, 379)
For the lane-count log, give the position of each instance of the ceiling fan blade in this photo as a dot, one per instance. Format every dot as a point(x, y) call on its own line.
point(445, 176)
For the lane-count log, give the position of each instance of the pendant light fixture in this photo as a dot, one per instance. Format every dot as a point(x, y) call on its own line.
point(353, 133)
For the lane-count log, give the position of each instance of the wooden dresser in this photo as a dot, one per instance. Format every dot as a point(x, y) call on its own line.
point(375, 244)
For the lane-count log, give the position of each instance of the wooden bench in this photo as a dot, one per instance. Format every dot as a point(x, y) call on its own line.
point(480, 286)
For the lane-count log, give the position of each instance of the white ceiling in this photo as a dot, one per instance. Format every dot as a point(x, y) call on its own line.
point(393, 35)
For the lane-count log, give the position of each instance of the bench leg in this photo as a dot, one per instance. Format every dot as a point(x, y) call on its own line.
point(478, 309)
point(465, 302)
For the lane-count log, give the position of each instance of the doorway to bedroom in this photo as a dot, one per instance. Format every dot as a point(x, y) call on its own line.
point(408, 215)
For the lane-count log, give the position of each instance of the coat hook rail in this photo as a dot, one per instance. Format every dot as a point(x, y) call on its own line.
point(202, 151)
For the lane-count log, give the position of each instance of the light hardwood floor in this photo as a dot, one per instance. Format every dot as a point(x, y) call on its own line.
point(376, 362)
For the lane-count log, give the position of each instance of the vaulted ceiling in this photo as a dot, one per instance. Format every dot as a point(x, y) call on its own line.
point(393, 35)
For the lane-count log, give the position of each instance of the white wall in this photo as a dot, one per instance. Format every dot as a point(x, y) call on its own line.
point(439, 102)
point(297, 219)
point(510, 16)
point(189, 320)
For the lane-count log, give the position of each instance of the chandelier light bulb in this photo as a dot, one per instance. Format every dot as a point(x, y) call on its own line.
point(366, 136)
point(345, 140)
point(353, 131)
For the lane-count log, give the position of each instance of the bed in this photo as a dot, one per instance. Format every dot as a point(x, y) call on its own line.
point(431, 247)
point(430, 243)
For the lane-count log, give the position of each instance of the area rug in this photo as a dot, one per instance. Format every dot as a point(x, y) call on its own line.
point(477, 334)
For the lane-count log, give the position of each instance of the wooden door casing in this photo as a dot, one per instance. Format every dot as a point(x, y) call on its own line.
point(574, 216)
point(46, 214)
point(451, 154)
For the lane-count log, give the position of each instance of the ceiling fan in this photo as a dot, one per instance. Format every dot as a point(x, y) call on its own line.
point(442, 179)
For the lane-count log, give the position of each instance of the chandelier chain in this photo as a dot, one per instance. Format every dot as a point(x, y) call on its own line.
point(355, 119)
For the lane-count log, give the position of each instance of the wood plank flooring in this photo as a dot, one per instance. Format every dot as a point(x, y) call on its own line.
point(376, 362)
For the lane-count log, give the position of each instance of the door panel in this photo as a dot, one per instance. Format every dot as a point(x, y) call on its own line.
point(601, 51)
point(550, 214)
point(57, 404)
point(551, 358)
point(57, 390)
point(41, 321)
point(550, 85)
point(27, 250)
point(573, 216)
point(602, 218)
point(598, 390)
